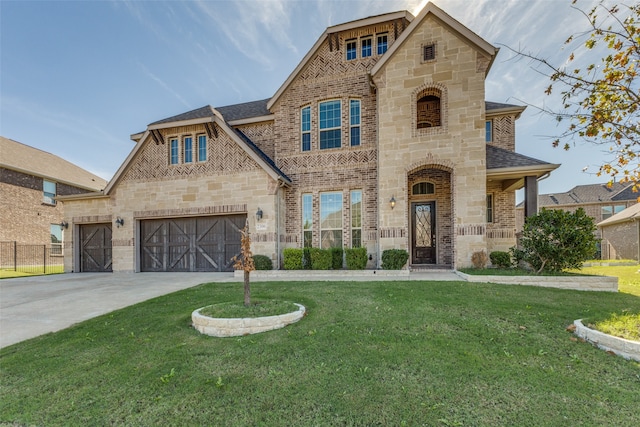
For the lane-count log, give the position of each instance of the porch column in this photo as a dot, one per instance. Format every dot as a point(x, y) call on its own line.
point(530, 196)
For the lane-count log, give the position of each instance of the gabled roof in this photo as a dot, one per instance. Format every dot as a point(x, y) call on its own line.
point(246, 110)
point(496, 108)
point(207, 114)
point(23, 158)
point(372, 20)
point(632, 213)
point(431, 9)
point(501, 159)
point(590, 193)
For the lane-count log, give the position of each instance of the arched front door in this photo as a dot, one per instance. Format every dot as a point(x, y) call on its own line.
point(423, 240)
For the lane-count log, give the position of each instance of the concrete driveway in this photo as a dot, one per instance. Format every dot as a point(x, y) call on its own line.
point(33, 306)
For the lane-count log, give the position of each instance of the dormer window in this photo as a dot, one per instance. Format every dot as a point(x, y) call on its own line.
point(366, 47)
point(382, 44)
point(352, 50)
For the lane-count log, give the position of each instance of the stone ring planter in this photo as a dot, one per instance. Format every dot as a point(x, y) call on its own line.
point(234, 327)
point(620, 346)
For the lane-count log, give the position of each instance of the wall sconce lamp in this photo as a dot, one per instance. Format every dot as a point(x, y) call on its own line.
point(119, 222)
point(64, 224)
point(259, 214)
point(392, 202)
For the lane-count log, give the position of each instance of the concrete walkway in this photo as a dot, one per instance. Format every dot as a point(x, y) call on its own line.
point(33, 306)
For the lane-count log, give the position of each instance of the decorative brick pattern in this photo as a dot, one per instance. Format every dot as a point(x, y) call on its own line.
point(504, 132)
point(261, 134)
point(194, 211)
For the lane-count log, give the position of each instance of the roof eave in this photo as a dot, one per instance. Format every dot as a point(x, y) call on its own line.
point(49, 178)
point(251, 120)
point(515, 109)
point(512, 172)
point(83, 196)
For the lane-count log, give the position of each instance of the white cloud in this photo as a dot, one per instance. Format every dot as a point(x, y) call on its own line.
point(164, 85)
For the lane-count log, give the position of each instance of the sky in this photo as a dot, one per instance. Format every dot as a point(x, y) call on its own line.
point(77, 78)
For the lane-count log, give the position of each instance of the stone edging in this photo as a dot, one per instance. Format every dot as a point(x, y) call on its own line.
point(319, 274)
point(620, 346)
point(219, 327)
point(580, 283)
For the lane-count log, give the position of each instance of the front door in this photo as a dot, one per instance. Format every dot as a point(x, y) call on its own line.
point(423, 236)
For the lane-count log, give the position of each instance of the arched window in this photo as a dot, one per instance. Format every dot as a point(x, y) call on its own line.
point(422, 188)
point(428, 109)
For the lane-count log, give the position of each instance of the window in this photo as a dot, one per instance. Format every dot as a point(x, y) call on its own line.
point(173, 157)
point(488, 131)
point(428, 108)
point(56, 239)
point(422, 188)
point(356, 219)
point(429, 52)
point(352, 50)
point(330, 220)
point(330, 118)
point(366, 47)
point(489, 207)
point(609, 211)
point(305, 128)
point(49, 192)
point(202, 148)
point(307, 220)
point(382, 44)
point(354, 122)
point(188, 149)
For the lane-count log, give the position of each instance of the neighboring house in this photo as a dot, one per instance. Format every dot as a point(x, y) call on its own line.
point(599, 201)
point(621, 234)
point(30, 180)
point(381, 138)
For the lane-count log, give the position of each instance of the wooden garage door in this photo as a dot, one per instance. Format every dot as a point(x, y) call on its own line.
point(95, 247)
point(190, 244)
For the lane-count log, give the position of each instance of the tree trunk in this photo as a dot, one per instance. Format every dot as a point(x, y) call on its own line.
point(247, 289)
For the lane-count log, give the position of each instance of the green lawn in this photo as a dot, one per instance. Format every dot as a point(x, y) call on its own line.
point(380, 353)
point(628, 276)
point(23, 271)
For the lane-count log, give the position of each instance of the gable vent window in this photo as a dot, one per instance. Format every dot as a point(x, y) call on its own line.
point(428, 109)
point(429, 52)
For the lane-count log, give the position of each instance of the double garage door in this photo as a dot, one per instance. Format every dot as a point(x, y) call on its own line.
point(190, 244)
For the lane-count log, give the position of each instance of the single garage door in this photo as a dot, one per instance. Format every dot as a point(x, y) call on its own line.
point(95, 247)
point(190, 244)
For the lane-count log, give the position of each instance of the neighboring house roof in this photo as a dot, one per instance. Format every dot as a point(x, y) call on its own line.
point(29, 160)
point(591, 193)
point(632, 213)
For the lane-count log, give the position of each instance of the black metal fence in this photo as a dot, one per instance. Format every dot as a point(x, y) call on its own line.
point(31, 259)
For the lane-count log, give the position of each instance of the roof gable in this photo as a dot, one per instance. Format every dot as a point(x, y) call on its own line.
point(26, 159)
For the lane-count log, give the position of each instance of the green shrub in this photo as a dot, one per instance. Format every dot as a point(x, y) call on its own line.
point(262, 262)
point(394, 259)
point(293, 258)
point(306, 259)
point(336, 258)
point(320, 259)
point(500, 259)
point(356, 258)
point(554, 240)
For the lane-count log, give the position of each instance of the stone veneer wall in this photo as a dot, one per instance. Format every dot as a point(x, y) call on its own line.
point(459, 144)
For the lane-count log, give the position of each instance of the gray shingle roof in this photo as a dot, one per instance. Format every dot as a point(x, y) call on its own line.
point(198, 113)
point(488, 106)
point(245, 110)
point(591, 193)
point(499, 158)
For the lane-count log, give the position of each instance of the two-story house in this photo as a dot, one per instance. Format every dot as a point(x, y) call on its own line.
point(381, 137)
point(30, 181)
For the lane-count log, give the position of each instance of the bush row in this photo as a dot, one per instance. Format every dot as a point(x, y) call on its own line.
point(332, 259)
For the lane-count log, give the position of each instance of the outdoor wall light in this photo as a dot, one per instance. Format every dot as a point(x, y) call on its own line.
point(119, 222)
point(64, 224)
point(392, 202)
point(259, 214)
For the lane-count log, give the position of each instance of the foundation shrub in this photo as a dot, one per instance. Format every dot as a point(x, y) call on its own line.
point(293, 258)
point(337, 255)
point(320, 259)
point(356, 258)
point(262, 262)
point(479, 259)
point(500, 259)
point(394, 259)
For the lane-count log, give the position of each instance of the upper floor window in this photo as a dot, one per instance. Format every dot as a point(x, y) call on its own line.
point(488, 131)
point(609, 211)
point(352, 50)
point(49, 192)
point(354, 122)
point(366, 47)
point(173, 151)
point(305, 128)
point(330, 124)
point(202, 148)
point(429, 52)
point(382, 44)
point(428, 109)
point(423, 188)
point(188, 149)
